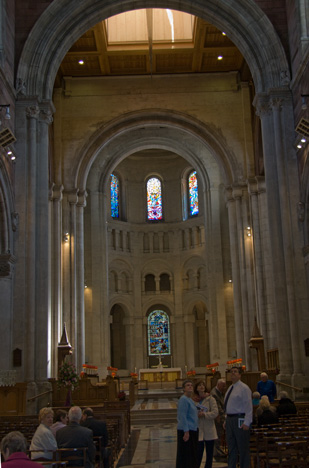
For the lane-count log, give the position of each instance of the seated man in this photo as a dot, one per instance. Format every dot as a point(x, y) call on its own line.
point(14, 448)
point(99, 429)
point(75, 436)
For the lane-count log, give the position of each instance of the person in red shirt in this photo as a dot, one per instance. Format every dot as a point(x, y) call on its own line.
point(14, 448)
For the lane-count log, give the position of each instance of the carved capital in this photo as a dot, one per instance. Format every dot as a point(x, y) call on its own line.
point(72, 196)
point(82, 195)
point(33, 112)
point(56, 192)
point(276, 103)
point(6, 264)
point(262, 105)
point(46, 116)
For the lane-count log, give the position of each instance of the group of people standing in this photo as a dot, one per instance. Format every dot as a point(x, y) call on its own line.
point(203, 416)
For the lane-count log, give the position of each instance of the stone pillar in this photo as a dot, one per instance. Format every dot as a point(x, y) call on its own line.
point(189, 341)
point(57, 237)
point(281, 188)
point(239, 330)
point(32, 286)
point(80, 280)
point(255, 187)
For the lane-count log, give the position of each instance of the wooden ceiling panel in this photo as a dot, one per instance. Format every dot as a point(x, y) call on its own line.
point(127, 64)
point(86, 43)
point(167, 57)
point(174, 63)
point(71, 67)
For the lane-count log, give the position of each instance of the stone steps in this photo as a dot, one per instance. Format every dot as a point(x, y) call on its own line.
point(153, 416)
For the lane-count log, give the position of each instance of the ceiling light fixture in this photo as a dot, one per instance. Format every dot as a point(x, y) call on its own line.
point(220, 57)
point(81, 62)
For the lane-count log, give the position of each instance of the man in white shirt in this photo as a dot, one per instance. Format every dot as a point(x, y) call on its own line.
point(238, 408)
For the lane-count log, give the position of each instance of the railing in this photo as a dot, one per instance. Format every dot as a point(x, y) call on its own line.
point(289, 386)
point(39, 395)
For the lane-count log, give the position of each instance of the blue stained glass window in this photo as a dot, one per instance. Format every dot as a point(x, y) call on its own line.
point(158, 333)
point(114, 196)
point(193, 194)
point(154, 199)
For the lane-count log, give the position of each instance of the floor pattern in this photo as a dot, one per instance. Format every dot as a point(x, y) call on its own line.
point(153, 445)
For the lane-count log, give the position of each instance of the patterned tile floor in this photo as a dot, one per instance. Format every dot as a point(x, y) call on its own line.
point(153, 445)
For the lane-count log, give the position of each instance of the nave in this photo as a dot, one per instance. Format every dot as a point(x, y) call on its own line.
point(153, 440)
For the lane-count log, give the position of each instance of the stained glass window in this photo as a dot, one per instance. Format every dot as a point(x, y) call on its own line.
point(114, 196)
point(154, 199)
point(193, 194)
point(158, 333)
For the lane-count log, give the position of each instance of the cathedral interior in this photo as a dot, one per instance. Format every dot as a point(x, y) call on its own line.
point(154, 170)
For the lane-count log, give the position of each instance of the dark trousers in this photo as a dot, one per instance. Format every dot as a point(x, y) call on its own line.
point(238, 443)
point(187, 451)
point(209, 444)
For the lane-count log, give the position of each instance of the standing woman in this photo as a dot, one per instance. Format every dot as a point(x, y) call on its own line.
point(187, 429)
point(207, 413)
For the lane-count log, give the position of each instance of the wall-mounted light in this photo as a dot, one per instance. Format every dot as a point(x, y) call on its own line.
point(7, 114)
point(248, 230)
point(66, 237)
point(303, 101)
point(85, 286)
point(230, 281)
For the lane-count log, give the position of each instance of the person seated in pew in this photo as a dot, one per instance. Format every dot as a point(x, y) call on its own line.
point(256, 398)
point(61, 420)
point(266, 415)
point(14, 449)
point(75, 436)
point(43, 441)
point(285, 406)
point(99, 429)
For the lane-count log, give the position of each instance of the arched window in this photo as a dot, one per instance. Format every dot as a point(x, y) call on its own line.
point(158, 333)
point(193, 194)
point(154, 199)
point(114, 196)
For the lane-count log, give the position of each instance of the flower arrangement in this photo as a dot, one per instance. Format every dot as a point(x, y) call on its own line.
point(234, 362)
point(191, 373)
point(133, 375)
point(67, 376)
point(213, 367)
point(121, 396)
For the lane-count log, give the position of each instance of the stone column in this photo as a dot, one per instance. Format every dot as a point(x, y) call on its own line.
point(57, 238)
point(189, 340)
point(274, 219)
point(239, 331)
point(254, 190)
point(80, 280)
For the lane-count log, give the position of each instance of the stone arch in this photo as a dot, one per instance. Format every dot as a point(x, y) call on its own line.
point(172, 131)
point(63, 22)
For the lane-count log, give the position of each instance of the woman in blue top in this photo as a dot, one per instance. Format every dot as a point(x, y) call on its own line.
point(187, 429)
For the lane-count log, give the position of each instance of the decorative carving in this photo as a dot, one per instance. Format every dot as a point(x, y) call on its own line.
point(276, 103)
point(262, 105)
point(20, 87)
point(284, 77)
point(82, 195)
point(33, 112)
point(6, 262)
point(46, 116)
point(301, 211)
point(56, 192)
point(15, 221)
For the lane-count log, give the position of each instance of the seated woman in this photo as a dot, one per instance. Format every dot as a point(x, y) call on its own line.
point(265, 415)
point(286, 406)
point(207, 413)
point(43, 440)
point(256, 397)
point(61, 420)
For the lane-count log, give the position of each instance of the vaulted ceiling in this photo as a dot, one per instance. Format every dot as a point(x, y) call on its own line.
point(145, 42)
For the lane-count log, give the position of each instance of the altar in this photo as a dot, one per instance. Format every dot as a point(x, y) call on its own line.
point(160, 374)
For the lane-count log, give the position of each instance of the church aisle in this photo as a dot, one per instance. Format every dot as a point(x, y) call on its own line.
point(153, 446)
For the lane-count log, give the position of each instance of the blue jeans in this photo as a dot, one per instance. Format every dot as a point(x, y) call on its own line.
point(209, 452)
